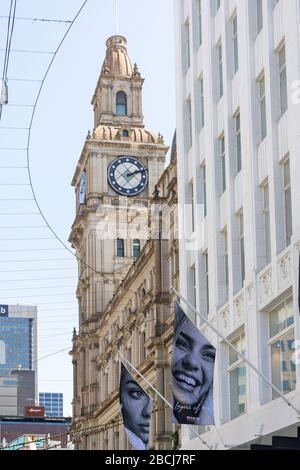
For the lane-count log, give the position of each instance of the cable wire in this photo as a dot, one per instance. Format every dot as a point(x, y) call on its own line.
point(10, 30)
point(47, 20)
point(8, 49)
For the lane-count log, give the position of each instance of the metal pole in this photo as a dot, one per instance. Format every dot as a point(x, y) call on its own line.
point(205, 320)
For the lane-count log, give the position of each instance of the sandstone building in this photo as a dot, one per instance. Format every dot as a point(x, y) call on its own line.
point(127, 262)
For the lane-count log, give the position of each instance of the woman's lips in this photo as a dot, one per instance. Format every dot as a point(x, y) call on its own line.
point(186, 382)
point(145, 427)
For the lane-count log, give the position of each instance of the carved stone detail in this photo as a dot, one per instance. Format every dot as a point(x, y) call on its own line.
point(226, 319)
point(239, 309)
point(265, 285)
point(284, 269)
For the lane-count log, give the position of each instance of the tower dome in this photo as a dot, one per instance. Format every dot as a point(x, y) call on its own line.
point(117, 62)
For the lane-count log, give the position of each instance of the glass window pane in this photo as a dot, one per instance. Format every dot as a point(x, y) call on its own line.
point(283, 364)
point(136, 248)
point(286, 173)
point(259, 11)
point(282, 58)
point(121, 104)
point(120, 248)
point(238, 391)
point(281, 317)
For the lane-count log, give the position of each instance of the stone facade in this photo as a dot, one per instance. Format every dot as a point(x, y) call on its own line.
point(124, 302)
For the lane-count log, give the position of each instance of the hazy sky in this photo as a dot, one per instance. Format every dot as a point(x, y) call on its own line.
point(42, 273)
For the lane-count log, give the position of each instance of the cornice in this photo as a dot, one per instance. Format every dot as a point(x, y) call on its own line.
point(96, 145)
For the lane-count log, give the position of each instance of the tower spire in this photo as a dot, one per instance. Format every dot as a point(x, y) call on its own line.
point(116, 17)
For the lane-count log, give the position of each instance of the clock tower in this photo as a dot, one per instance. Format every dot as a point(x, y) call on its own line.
point(115, 177)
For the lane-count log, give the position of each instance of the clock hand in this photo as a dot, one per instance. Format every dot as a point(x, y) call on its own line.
point(134, 173)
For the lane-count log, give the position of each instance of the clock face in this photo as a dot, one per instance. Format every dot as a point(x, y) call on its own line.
point(82, 189)
point(127, 176)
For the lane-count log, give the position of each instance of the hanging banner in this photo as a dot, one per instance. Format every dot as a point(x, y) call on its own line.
point(136, 408)
point(192, 373)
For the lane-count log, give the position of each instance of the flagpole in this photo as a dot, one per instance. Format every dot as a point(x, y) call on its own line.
point(160, 395)
point(240, 354)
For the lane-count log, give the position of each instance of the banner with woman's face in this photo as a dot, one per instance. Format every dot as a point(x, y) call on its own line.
point(136, 408)
point(192, 373)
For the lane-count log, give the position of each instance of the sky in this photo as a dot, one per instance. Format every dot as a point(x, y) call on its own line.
point(35, 269)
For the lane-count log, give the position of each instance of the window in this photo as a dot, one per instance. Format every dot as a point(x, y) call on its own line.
point(238, 142)
point(281, 318)
point(120, 248)
point(287, 202)
point(283, 81)
point(262, 106)
point(220, 70)
point(189, 117)
point(259, 16)
point(125, 133)
point(266, 213)
point(235, 45)
point(204, 189)
point(121, 104)
point(199, 7)
point(194, 287)
point(136, 248)
point(223, 163)
point(202, 121)
point(242, 247)
point(237, 378)
point(192, 205)
point(226, 267)
point(282, 345)
point(142, 347)
point(187, 45)
point(206, 281)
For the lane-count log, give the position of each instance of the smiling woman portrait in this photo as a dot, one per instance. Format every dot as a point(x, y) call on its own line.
point(193, 361)
point(136, 408)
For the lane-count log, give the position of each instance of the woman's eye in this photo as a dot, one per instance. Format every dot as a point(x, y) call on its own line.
point(180, 343)
point(137, 394)
point(209, 355)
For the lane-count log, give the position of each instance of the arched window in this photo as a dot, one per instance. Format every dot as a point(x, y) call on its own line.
point(120, 248)
point(125, 133)
point(121, 104)
point(136, 248)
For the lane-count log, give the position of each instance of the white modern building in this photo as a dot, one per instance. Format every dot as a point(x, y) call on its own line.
point(238, 138)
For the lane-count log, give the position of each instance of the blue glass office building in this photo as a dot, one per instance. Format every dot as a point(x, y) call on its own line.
point(53, 403)
point(17, 338)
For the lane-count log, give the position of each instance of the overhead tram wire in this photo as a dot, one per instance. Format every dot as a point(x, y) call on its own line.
point(6, 49)
point(24, 80)
point(33, 260)
point(27, 51)
point(10, 30)
point(45, 20)
point(30, 249)
point(40, 287)
point(38, 279)
point(24, 239)
point(38, 270)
